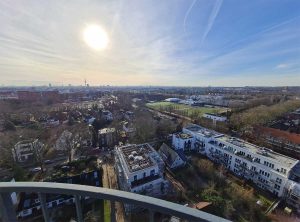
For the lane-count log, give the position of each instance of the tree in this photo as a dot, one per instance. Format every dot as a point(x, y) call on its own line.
point(39, 150)
point(67, 142)
point(8, 125)
point(18, 173)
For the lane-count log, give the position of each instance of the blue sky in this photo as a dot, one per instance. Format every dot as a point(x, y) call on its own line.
point(170, 42)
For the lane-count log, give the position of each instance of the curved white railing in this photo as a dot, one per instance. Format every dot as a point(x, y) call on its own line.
point(42, 188)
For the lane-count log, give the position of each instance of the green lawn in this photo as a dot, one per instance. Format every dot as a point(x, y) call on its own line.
point(106, 211)
point(185, 110)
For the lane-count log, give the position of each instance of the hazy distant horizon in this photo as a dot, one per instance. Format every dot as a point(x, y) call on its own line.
point(167, 86)
point(151, 42)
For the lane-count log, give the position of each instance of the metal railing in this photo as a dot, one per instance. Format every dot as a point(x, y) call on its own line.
point(43, 188)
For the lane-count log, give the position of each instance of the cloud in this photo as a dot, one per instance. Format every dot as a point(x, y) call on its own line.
point(211, 19)
point(187, 14)
point(42, 41)
point(282, 66)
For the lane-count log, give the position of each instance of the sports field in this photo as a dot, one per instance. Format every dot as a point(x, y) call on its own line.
point(184, 110)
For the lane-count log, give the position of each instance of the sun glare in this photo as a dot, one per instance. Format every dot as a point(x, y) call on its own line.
point(95, 37)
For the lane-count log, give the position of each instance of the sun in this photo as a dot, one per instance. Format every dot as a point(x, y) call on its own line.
point(95, 37)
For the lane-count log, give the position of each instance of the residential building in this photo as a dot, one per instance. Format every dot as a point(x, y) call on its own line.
point(140, 169)
point(29, 203)
point(173, 100)
point(129, 115)
point(107, 137)
point(280, 139)
point(24, 151)
point(292, 194)
point(267, 169)
point(214, 117)
point(173, 159)
point(182, 141)
point(128, 128)
point(107, 115)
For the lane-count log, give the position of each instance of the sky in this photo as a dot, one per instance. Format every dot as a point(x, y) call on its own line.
point(151, 42)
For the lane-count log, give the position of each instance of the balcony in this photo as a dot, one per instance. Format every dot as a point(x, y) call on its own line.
point(80, 191)
point(145, 180)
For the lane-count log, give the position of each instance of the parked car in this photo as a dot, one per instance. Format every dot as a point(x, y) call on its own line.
point(48, 161)
point(36, 169)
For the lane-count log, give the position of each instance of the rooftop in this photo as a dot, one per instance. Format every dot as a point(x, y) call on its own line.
point(183, 135)
point(266, 153)
point(137, 156)
point(107, 130)
point(214, 114)
point(202, 131)
point(292, 137)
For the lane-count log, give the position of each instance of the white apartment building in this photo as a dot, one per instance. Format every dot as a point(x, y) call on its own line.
point(267, 169)
point(24, 151)
point(182, 141)
point(140, 169)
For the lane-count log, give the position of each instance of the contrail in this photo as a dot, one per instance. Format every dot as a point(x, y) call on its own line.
point(187, 14)
point(212, 18)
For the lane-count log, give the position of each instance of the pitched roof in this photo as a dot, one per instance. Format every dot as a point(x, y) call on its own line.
point(181, 154)
point(292, 137)
point(169, 155)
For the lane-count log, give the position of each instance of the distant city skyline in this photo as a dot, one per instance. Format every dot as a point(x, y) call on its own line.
point(151, 42)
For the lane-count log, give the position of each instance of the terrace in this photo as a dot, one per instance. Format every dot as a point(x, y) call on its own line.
point(136, 156)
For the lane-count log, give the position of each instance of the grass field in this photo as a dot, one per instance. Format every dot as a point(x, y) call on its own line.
point(185, 110)
point(107, 211)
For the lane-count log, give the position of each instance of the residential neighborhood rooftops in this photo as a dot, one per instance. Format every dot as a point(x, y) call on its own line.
point(284, 135)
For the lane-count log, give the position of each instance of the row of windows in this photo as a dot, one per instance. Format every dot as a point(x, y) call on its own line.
point(152, 172)
point(264, 173)
point(278, 180)
point(271, 165)
point(277, 187)
point(263, 180)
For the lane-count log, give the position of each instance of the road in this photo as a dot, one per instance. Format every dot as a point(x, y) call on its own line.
point(110, 181)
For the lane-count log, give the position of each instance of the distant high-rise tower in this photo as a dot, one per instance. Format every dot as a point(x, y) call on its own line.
point(84, 82)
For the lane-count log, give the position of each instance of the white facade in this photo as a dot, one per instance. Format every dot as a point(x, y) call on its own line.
point(214, 117)
point(24, 151)
point(268, 169)
point(140, 169)
point(182, 141)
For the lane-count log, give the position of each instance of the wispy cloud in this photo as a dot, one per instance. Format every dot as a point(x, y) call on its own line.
point(211, 20)
point(282, 66)
point(187, 14)
point(42, 41)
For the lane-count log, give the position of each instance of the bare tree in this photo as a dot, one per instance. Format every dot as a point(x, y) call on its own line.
point(39, 149)
point(67, 142)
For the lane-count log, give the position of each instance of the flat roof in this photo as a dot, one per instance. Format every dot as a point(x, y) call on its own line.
point(137, 156)
point(214, 114)
point(264, 152)
point(202, 131)
point(184, 135)
point(106, 130)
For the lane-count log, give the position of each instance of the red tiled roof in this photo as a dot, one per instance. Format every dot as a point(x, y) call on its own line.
point(292, 137)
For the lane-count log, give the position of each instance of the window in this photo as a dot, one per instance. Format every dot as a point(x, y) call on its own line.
point(135, 177)
point(152, 172)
